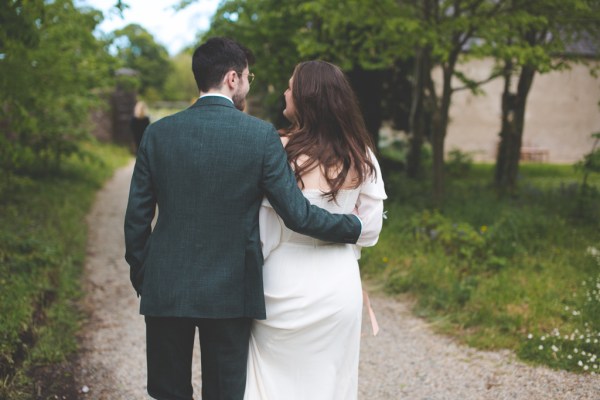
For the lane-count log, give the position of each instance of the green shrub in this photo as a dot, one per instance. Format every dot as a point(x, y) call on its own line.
point(458, 163)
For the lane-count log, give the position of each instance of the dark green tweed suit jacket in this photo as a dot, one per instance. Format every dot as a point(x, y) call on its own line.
point(208, 168)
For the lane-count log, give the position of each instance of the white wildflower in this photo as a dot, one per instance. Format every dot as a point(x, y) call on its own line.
point(556, 332)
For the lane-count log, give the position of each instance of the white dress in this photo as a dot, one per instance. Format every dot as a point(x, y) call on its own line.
point(308, 347)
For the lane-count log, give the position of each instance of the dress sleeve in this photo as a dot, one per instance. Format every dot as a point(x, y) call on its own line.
point(370, 208)
point(270, 228)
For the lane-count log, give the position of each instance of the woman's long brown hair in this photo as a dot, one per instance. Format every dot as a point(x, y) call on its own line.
point(328, 128)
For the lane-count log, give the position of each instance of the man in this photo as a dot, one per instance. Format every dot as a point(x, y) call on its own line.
point(208, 168)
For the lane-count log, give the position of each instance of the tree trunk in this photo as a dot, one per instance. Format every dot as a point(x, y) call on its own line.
point(511, 133)
point(438, 134)
point(417, 124)
point(399, 91)
point(437, 145)
point(368, 86)
point(423, 94)
point(506, 147)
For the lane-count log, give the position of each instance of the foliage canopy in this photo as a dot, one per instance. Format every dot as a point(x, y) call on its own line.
point(50, 68)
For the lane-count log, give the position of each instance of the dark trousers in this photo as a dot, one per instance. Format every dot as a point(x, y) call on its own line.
point(224, 355)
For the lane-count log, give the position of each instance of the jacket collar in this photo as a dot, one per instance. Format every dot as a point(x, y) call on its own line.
point(213, 100)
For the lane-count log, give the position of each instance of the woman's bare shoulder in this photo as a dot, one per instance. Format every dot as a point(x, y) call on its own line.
point(284, 140)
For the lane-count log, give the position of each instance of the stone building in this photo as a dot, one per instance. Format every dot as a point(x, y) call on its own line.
point(562, 111)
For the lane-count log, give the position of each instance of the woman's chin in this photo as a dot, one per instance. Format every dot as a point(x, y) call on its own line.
point(287, 116)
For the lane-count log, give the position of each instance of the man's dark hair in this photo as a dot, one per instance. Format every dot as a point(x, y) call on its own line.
point(217, 56)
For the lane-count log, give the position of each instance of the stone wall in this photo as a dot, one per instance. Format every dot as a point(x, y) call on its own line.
point(562, 111)
point(110, 122)
point(123, 103)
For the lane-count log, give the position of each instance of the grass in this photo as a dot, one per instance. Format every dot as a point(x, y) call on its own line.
point(499, 272)
point(42, 250)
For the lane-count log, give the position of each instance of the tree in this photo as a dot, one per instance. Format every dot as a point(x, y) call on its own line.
point(535, 39)
point(137, 49)
point(449, 30)
point(50, 64)
point(435, 34)
point(365, 39)
point(180, 84)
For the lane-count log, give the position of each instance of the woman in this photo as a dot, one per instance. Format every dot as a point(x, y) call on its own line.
point(308, 346)
point(139, 122)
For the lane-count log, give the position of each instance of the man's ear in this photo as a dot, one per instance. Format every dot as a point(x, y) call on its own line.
point(230, 79)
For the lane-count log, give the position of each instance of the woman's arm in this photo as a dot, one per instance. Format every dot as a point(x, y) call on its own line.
point(270, 228)
point(370, 206)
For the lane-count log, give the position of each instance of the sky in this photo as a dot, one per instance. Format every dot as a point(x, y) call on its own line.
point(174, 30)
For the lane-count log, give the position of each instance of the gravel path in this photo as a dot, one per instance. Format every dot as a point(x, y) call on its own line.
point(405, 361)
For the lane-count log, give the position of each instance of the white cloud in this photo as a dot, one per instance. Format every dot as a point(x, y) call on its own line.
point(173, 29)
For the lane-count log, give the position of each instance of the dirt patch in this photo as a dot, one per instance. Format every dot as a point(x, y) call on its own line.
point(55, 381)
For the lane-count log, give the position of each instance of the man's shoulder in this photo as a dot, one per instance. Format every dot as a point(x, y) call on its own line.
point(169, 122)
point(227, 117)
point(257, 123)
point(242, 122)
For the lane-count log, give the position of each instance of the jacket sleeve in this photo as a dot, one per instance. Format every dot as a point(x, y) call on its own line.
point(141, 207)
point(280, 187)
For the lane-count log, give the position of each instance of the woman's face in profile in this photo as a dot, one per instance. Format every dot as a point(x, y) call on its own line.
point(290, 109)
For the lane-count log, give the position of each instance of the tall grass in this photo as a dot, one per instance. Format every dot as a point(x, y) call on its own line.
point(42, 248)
point(497, 272)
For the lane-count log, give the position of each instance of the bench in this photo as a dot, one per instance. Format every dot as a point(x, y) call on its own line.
point(534, 154)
